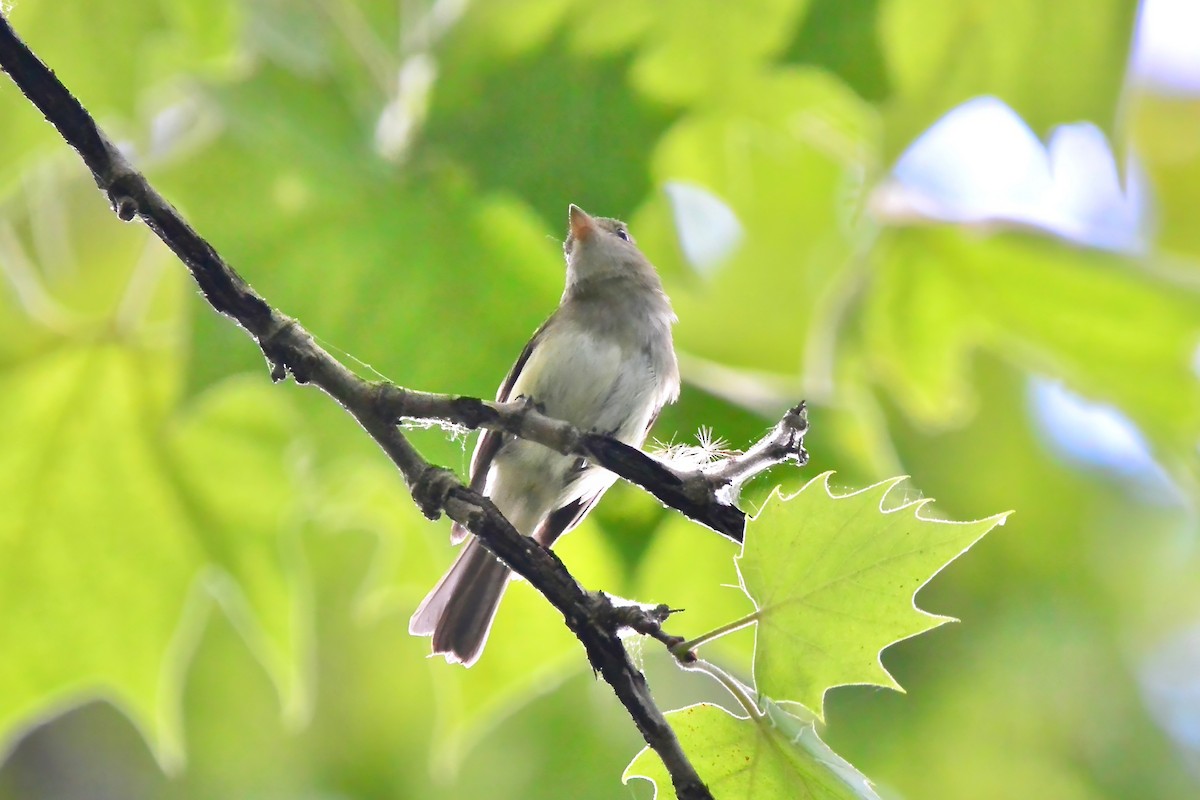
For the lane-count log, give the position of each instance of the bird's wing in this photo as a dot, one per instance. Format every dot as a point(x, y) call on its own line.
point(490, 441)
point(562, 520)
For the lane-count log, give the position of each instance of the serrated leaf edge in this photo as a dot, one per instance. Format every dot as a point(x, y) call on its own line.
point(936, 620)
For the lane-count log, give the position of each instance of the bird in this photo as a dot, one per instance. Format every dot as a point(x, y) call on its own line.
point(605, 362)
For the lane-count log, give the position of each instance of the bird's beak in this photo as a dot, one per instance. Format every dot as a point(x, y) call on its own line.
point(582, 225)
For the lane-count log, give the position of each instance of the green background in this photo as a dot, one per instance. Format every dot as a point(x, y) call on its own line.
point(205, 579)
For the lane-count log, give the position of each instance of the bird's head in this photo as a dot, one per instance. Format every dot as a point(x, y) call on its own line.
point(600, 251)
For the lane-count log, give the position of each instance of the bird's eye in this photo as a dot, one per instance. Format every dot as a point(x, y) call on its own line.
point(622, 234)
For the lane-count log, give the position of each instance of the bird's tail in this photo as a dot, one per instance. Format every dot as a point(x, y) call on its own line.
point(458, 613)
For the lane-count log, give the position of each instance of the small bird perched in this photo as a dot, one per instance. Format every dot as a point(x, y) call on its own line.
point(604, 361)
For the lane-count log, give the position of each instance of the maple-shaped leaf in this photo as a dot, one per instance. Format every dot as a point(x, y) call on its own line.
point(833, 579)
point(128, 506)
point(775, 755)
point(120, 516)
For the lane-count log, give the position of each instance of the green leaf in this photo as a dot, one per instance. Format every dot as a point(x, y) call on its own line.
point(1026, 52)
point(235, 455)
point(776, 756)
point(783, 155)
point(368, 496)
point(834, 577)
point(115, 514)
point(1110, 328)
point(75, 572)
point(128, 513)
point(661, 38)
point(740, 38)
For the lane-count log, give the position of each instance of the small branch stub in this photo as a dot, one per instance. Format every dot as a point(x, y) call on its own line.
point(124, 206)
point(642, 619)
point(431, 490)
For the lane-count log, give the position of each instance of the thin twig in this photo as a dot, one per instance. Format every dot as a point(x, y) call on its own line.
point(784, 442)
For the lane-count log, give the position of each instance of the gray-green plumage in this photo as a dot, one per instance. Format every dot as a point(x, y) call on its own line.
point(604, 361)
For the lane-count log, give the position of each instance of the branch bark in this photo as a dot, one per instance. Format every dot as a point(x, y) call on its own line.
point(706, 495)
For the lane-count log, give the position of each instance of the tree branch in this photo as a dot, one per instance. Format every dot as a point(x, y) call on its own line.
point(706, 494)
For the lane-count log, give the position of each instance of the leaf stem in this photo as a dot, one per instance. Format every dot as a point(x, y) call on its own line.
point(682, 649)
point(740, 691)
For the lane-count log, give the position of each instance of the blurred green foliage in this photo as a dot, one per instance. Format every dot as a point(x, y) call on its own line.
point(395, 174)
